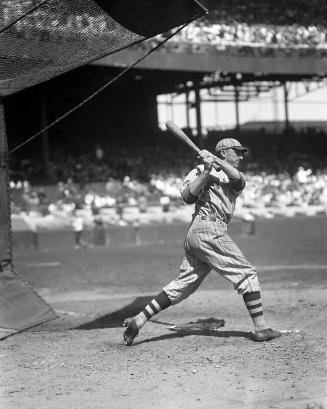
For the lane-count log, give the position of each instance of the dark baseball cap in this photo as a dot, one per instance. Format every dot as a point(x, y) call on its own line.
point(228, 143)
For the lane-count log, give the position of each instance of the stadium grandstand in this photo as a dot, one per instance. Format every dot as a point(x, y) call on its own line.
point(268, 24)
point(234, 53)
point(92, 212)
point(80, 89)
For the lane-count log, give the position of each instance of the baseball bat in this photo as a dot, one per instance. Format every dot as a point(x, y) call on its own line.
point(176, 131)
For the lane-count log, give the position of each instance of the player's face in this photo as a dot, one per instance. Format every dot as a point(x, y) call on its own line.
point(234, 157)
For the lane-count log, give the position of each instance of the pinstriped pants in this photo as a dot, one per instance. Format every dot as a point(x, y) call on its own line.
point(208, 247)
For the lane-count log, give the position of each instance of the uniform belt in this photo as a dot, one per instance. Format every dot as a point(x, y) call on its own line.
point(211, 218)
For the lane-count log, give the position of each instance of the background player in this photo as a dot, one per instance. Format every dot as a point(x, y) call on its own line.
point(214, 187)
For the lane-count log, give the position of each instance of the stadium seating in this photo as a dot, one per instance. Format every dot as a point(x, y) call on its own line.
point(281, 173)
point(265, 24)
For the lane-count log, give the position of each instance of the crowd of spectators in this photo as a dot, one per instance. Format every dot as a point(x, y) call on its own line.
point(268, 11)
point(268, 194)
point(257, 24)
point(117, 162)
point(281, 173)
point(294, 24)
point(222, 34)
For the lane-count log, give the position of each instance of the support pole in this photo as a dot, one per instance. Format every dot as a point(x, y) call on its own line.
point(237, 108)
point(216, 107)
point(187, 107)
point(5, 203)
point(45, 135)
point(172, 106)
point(20, 305)
point(198, 114)
point(275, 107)
point(287, 123)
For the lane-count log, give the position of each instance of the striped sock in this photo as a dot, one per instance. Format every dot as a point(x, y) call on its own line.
point(253, 303)
point(159, 303)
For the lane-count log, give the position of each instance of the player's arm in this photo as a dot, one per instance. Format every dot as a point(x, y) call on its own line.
point(194, 187)
point(222, 164)
point(235, 177)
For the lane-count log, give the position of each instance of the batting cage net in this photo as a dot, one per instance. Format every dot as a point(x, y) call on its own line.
point(42, 39)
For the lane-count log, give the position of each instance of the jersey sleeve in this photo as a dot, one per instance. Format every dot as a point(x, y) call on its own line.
point(237, 186)
point(190, 177)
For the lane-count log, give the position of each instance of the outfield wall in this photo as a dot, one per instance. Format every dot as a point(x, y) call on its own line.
point(285, 238)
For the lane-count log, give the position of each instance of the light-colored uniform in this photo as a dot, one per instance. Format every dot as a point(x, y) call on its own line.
point(207, 244)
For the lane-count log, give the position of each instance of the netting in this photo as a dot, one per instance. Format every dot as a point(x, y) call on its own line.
point(38, 41)
point(42, 39)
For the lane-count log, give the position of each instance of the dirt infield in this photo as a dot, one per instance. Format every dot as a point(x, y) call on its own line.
point(79, 361)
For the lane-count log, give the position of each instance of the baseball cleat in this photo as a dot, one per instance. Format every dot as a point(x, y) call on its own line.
point(131, 331)
point(266, 335)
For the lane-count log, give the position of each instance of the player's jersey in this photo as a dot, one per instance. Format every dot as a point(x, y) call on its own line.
point(218, 197)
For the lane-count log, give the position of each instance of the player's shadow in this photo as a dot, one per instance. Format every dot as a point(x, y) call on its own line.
point(216, 334)
point(203, 327)
point(209, 327)
point(116, 318)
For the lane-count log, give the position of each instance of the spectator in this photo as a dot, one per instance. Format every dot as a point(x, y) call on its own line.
point(142, 203)
point(78, 228)
point(165, 203)
point(99, 153)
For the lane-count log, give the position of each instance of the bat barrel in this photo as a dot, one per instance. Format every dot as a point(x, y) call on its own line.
point(176, 131)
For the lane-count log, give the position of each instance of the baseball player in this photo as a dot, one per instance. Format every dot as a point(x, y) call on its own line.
point(78, 227)
point(213, 187)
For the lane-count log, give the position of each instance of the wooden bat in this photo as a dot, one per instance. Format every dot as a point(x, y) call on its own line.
point(176, 131)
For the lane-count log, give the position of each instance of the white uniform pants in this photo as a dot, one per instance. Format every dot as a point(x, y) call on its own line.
point(208, 246)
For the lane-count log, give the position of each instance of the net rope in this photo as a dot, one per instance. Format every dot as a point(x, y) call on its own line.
point(29, 11)
point(40, 40)
point(95, 93)
point(4, 163)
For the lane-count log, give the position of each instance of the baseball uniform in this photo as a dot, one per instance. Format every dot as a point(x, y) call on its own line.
point(207, 244)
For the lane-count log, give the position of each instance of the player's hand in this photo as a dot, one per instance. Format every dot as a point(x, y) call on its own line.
point(204, 154)
point(208, 159)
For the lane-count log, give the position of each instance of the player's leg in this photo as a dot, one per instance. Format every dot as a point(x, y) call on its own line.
point(192, 273)
point(248, 286)
point(77, 235)
point(223, 255)
point(82, 241)
point(253, 303)
point(134, 324)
